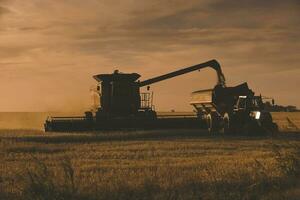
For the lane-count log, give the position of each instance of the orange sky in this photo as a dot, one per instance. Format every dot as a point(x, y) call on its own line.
point(49, 49)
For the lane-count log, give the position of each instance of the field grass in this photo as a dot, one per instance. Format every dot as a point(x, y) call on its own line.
point(177, 164)
point(287, 121)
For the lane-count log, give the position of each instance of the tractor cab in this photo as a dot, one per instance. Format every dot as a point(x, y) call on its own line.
point(249, 105)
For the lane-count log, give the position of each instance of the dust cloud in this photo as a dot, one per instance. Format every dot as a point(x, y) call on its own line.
point(29, 120)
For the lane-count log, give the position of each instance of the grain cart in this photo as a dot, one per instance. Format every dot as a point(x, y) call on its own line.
point(232, 110)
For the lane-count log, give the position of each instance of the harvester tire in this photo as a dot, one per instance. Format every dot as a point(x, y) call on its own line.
point(47, 127)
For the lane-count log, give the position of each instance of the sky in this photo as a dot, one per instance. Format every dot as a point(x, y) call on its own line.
point(50, 49)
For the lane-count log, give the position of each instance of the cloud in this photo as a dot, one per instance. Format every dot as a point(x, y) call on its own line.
point(3, 8)
point(53, 39)
point(224, 14)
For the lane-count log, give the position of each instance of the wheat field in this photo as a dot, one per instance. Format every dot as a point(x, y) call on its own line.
point(169, 164)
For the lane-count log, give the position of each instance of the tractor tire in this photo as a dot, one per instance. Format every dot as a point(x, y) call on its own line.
point(252, 128)
point(267, 123)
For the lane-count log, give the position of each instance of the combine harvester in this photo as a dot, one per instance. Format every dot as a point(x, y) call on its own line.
point(123, 106)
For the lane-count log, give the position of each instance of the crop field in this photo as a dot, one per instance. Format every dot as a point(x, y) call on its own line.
point(160, 164)
point(173, 164)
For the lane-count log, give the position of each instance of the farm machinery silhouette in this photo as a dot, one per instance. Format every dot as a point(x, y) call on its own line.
point(123, 106)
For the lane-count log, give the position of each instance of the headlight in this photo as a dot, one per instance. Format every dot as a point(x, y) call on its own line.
point(257, 115)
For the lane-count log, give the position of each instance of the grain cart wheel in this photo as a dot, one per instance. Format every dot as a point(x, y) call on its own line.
point(226, 126)
point(212, 122)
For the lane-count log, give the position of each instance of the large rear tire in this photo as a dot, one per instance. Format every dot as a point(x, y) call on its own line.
point(252, 128)
point(267, 123)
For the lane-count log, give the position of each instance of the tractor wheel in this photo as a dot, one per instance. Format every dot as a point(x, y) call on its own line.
point(252, 128)
point(267, 123)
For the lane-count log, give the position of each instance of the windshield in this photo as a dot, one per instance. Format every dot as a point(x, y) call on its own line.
point(248, 103)
point(242, 102)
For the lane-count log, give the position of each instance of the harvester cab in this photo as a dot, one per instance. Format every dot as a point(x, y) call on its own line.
point(119, 93)
point(120, 96)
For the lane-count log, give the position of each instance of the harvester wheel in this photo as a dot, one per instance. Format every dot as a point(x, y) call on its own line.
point(47, 127)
